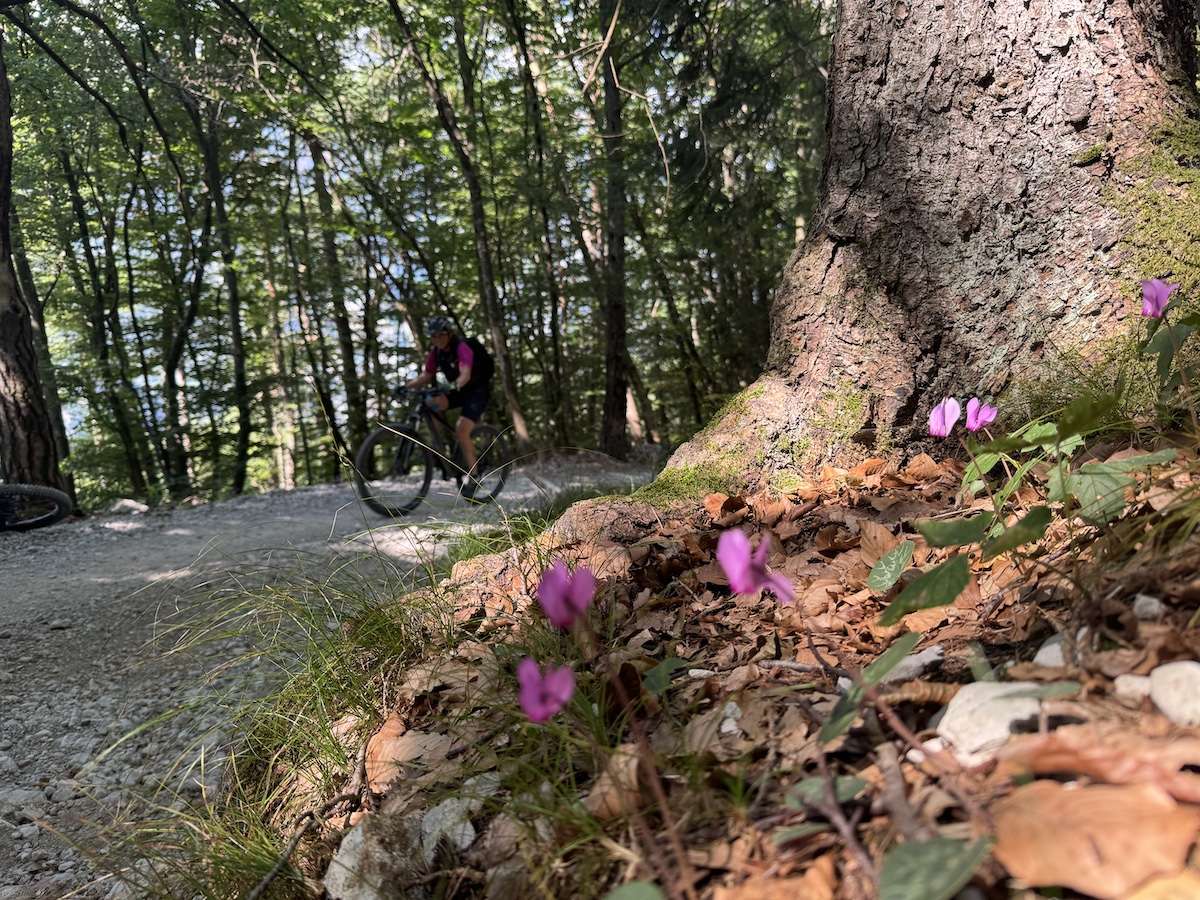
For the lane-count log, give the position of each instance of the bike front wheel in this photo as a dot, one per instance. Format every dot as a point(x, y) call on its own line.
point(24, 507)
point(392, 470)
point(494, 463)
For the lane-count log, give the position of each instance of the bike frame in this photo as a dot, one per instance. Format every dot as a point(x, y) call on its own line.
point(444, 442)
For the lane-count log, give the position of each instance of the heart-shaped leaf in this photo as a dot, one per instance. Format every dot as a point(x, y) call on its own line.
point(890, 567)
point(811, 791)
point(658, 678)
point(937, 587)
point(955, 532)
point(936, 869)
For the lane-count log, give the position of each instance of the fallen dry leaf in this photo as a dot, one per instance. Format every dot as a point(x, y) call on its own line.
point(816, 884)
point(1110, 752)
point(1101, 840)
point(1183, 886)
point(876, 541)
point(616, 792)
point(725, 510)
point(924, 467)
point(393, 747)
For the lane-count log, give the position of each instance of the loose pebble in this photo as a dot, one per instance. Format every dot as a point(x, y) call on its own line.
point(981, 717)
point(1175, 690)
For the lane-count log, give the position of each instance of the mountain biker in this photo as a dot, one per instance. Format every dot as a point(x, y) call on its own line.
point(467, 366)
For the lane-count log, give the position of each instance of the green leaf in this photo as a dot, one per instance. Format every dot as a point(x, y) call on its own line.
point(936, 869)
point(1100, 490)
point(845, 711)
point(1030, 528)
point(980, 466)
point(796, 832)
point(955, 532)
point(1143, 461)
point(658, 679)
point(890, 567)
point(890, 658)
point(811, 791)
point(636, 890)
point(1166, 342)
point(1084, 415)
point(937, 587)
point(1013, 483)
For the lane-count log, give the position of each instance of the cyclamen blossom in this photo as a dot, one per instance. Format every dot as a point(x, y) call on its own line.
point(980, 415)
point(564, 596)
point(542, 696)
point(943, 416)
point(1156, 294)
point(747, 572)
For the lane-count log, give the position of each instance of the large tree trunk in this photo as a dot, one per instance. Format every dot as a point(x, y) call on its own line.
point(989, 175)
point(27, 447)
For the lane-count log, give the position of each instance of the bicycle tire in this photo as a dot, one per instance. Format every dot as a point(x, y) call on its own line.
point(63, 506)
point(495, 461)
point(370, 494)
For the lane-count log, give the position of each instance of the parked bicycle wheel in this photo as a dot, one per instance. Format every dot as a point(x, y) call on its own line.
point(24, 507)
point(492, 469)
point(392, 470)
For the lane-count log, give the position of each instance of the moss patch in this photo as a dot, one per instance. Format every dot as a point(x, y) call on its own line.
point(1092, 154)
point(688, 483)
point(1162, 208)
point(841, 412)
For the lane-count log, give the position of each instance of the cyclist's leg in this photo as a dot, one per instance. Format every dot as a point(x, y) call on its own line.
point(473, 402)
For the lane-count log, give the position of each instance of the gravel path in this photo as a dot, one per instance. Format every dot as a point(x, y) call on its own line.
point(80, 605)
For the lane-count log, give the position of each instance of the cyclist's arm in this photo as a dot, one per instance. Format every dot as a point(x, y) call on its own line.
point(464, 375)
point(421, 380)
point(466, 361)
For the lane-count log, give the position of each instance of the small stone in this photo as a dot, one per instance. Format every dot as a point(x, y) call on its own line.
point(1148, 608)
point(1050, 654)
point(980, 717)
point(1175, 690)
point(1132, 687)
point(916, 664)
point(127, 507)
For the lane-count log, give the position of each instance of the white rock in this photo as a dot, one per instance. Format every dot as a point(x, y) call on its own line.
point(1050, 654)
point(127, 507)
point(729, 719)
point(915, 664)
point(933, 745)
point(1175, 689)
point(1132, 687)
point(375, 857)
point(1148, 608)
point(980, 717)
point(451, 819)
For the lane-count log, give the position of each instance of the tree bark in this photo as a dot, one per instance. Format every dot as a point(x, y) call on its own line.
point(978, 214)
point(614, 439)
point(28, 452)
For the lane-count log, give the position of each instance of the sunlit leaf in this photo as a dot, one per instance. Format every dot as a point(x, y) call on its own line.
point(890, 567)
point(796, 832)
point(937, 587)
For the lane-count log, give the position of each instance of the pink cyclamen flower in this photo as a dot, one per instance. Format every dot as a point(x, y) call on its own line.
point(1156, 294)
point(943, 416)
point(747, 572)
point(979, 415)
point(564, 596)
point(542, 696)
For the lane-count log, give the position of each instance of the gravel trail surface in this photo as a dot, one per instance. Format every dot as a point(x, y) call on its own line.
point(84, 687)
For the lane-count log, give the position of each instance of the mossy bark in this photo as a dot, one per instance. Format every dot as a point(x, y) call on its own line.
point(988, 170)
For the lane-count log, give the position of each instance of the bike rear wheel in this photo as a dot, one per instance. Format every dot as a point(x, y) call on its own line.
point(392, 470)
point(494, 464)
point(24, 507)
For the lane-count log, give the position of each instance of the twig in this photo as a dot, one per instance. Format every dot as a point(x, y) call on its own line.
point(832, 810)
point(895, 796)
point(791, 666)
point(302, 824)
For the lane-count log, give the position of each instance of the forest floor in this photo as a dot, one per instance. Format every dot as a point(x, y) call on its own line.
point(83, 669)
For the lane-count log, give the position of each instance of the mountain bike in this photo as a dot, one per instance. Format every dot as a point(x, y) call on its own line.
point(394, 467)
point(24, 507)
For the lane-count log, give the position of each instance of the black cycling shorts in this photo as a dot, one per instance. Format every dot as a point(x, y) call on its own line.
point(472, 400)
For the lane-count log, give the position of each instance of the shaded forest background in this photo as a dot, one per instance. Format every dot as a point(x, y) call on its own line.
point(230, 219)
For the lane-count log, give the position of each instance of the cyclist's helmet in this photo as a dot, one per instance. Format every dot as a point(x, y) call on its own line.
point(437, 325)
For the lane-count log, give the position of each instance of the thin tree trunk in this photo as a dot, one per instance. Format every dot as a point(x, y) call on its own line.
point(355, 401)
point(613, 437)
point(488, 294)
